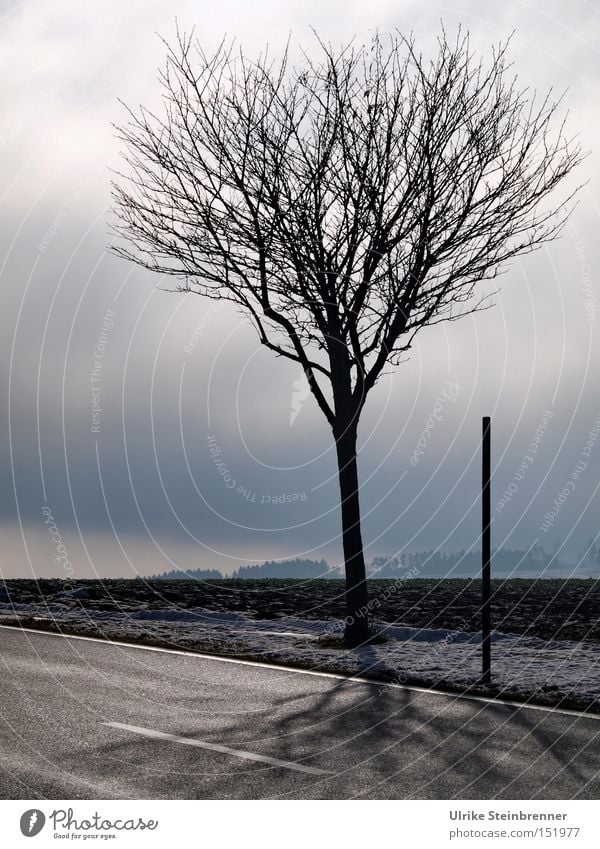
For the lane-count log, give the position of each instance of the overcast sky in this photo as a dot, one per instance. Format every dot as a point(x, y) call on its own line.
point(130, 484)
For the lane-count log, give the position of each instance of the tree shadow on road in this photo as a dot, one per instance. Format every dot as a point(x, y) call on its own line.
point(374, 741)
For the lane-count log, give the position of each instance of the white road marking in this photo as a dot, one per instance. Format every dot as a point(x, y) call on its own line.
point(351, 679)
point(214, 747)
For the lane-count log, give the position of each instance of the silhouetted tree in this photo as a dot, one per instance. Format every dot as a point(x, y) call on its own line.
point(343, 204)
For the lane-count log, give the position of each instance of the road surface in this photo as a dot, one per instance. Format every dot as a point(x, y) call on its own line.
point(84, 719)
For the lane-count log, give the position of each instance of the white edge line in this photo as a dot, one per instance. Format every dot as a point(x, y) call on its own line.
point(356, 679)
point(215, 747)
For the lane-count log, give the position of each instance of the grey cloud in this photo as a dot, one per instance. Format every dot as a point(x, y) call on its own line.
point(530, 353)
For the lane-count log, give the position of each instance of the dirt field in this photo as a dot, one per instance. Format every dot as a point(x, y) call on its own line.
point(550, 609)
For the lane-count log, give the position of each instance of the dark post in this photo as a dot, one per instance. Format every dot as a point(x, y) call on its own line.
point(486, 659)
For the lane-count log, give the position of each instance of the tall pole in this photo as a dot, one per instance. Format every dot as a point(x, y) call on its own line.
point(486, 586)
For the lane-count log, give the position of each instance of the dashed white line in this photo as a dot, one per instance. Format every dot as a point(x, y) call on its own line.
point(214, 747)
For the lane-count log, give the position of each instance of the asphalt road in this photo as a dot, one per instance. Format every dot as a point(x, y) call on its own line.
point(92, 720)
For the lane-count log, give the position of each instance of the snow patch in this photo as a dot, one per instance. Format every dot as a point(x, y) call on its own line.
point(519, 664)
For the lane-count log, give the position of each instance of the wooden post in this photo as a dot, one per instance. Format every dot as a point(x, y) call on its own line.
point(486, 640)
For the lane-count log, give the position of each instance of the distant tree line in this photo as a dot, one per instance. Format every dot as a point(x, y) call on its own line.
point(464, 563)
point(425, 564)
point(297, 568)
point(186, 574)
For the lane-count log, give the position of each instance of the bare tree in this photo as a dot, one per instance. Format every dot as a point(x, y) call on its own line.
point(344, 205)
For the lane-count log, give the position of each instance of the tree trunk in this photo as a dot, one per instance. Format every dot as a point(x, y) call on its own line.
point(357, 612)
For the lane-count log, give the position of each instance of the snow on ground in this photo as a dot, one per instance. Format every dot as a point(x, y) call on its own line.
point(521, 665)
